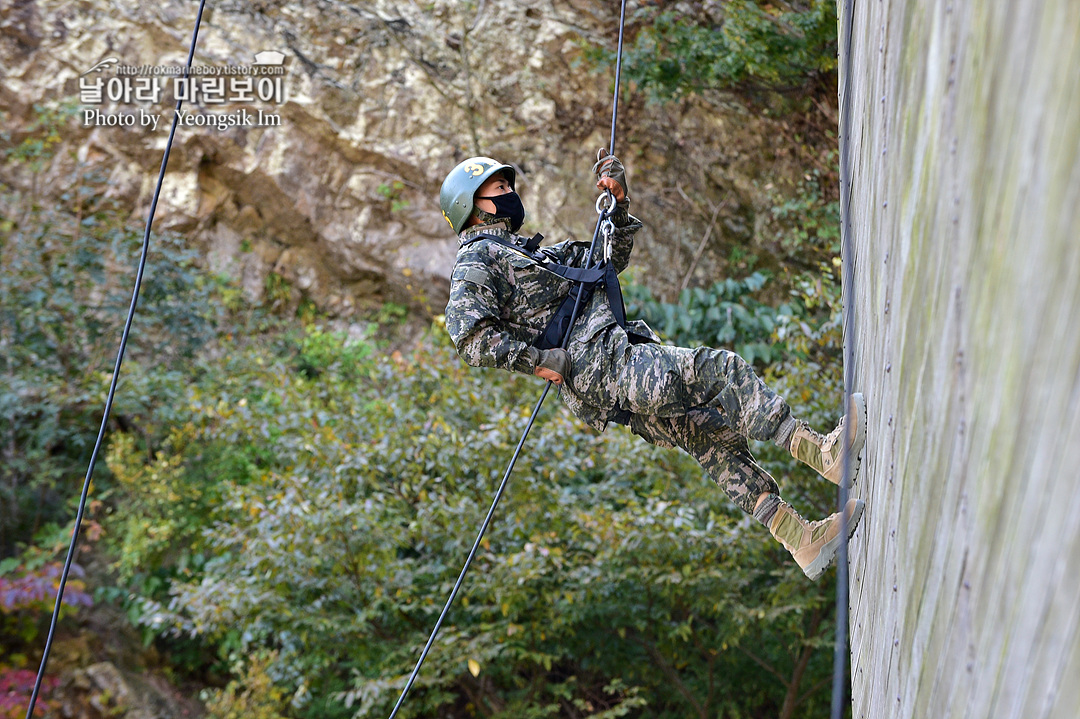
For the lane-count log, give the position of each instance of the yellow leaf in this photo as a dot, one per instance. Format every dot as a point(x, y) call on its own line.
point(474, 667)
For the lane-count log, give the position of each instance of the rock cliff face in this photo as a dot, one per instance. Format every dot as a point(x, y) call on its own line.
point(378, 101)
point(966, 189)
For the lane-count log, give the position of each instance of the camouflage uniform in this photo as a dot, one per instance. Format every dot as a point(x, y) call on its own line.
point(705, 401)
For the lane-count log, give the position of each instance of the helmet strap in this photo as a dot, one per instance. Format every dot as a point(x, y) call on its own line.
point(486, 218)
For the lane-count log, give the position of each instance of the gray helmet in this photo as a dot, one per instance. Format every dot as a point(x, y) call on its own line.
point(456, 195)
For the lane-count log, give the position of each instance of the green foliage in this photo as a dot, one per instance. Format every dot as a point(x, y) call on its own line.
point(277, 289)
point(392, 192)
point(756, 45)
point(333, 511)
point(252, 696)
point(321, 351)
point(66, 272)
point(391, 313)
point(808, 222)
point(65, 287)
point(171, 499)
point(724, 315)
point(43, 134)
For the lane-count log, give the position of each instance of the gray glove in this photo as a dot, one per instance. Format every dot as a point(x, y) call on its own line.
point(555, 360)
point(610, 166)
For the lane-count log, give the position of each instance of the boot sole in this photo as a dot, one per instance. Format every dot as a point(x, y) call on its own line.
point(860, 436)
point(825, 558)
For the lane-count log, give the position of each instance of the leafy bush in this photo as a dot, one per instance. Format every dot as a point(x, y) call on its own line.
point(16, 686)
point(66, 271)
point(756, 45)
point(64, 290)
point(252, 696)
point(332, 511)
point(807, 222)
point(724, 315)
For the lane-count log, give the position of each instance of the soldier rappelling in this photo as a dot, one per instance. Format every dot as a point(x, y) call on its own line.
point(508, 307)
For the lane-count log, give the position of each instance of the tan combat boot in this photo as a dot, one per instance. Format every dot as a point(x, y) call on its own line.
point(813, 544)
point(826, 454)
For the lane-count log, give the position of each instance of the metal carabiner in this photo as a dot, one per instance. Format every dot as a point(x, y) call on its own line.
point(607, 230)
point(606, 211)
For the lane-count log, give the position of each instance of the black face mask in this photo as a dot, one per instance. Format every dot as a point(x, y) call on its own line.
point(510, 207)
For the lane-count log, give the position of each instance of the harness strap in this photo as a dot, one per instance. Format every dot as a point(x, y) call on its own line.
point(528, 249)
point(591, 278)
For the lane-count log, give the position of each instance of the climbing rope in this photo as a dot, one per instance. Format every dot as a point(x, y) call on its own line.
point(112, 384)
point(605, 208)
point(848, 284)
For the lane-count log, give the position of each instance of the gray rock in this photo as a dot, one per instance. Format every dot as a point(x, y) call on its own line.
point(103, 690)
point(380, 100)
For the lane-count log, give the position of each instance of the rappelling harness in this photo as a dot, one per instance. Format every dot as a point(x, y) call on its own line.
point(589, 279)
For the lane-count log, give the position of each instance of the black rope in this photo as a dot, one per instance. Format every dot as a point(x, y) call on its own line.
point(618, 75)
point(112, 384)
point(603, 217)
point(840, 654)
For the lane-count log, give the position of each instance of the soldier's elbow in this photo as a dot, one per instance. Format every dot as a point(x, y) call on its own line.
point(467, 352)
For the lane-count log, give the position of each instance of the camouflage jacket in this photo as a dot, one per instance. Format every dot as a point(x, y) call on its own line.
point(501, 300)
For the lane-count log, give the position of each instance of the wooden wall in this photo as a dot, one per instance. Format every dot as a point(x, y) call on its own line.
point(966, 158)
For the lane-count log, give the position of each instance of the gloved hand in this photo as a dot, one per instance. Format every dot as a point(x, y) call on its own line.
point(611, 175)
point(554, 365)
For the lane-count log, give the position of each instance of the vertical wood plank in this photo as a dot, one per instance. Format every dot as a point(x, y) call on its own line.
point(965, 573)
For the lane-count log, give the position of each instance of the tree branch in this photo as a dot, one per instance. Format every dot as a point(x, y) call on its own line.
point(765, 665)
point(670, 673)
point(791, 699)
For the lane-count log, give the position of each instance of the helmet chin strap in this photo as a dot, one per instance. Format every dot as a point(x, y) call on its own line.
point(486, 218)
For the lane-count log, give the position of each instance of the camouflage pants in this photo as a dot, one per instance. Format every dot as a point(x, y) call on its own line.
point(705, 401)
point(705, 436)
point(664, 381)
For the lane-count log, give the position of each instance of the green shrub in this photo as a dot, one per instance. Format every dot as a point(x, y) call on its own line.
point(253, 695)
point(807, 222)
point(64, 291)
point(757, 45)
point(339, 525)
point(723, 315)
